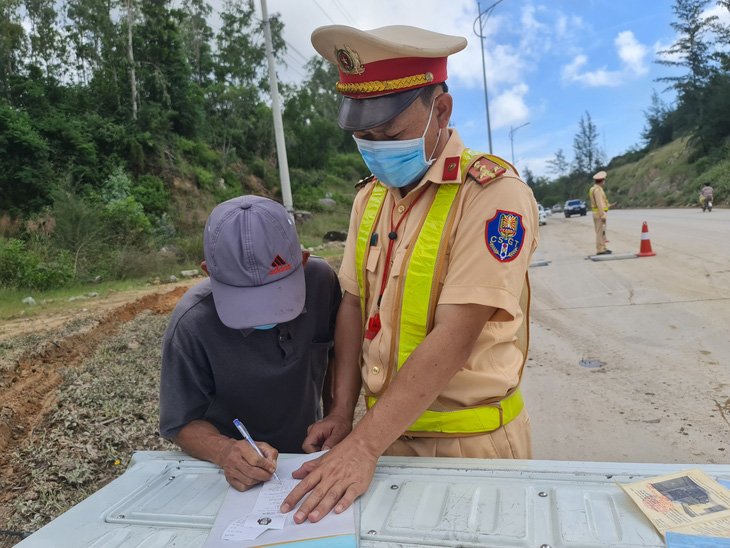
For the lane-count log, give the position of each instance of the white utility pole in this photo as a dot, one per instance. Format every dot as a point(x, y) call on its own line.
point(278, 125)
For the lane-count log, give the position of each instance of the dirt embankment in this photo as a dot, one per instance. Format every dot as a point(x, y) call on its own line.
point(28, 390)
point(45, 448)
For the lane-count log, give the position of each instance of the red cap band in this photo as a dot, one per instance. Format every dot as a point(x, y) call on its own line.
point(393, 75)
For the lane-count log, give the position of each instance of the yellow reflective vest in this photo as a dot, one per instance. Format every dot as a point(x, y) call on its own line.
point(418, 294)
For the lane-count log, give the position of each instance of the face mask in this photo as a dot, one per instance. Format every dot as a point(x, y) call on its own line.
point(267, 326)
point(398, 163)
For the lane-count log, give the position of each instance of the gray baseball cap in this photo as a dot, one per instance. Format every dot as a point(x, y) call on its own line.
point(255, 262)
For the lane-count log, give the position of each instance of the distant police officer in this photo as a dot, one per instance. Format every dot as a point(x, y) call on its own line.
point(599, 205)
point(434, 271)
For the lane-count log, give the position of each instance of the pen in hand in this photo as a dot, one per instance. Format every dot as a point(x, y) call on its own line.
point(249, 439)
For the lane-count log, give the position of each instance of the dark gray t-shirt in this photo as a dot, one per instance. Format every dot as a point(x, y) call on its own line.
point(271, 380)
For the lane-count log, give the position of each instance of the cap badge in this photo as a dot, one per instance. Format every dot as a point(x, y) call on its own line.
point(348, 60)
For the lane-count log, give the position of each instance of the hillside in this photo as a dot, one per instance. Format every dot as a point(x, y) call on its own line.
point(667, 177)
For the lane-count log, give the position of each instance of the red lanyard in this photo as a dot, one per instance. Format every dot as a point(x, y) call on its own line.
point(374, 322)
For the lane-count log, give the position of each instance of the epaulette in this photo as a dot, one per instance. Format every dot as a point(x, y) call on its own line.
point(362, 182)
point(485, 170)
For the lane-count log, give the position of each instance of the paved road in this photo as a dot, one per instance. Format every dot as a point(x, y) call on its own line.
point(660, 324)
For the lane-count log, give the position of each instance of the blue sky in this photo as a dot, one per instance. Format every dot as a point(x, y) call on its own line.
point(548, 62)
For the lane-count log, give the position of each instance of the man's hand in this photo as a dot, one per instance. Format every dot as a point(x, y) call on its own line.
point(327, 433)
point(244, 468)
point(603, 220)
point(335, 480)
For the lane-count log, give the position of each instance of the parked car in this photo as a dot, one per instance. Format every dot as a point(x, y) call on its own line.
point(574, 207)
point(542, 215)
point(557, 208)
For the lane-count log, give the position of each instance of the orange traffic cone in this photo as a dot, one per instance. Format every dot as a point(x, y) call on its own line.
point(645, 250)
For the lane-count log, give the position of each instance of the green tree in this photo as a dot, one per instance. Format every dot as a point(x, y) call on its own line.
point(99, 51)
point(559, 165)
point(198, 37)
point(658, 129)
point(588, 155)
point(164, 72)
point(693, 52)
point(240, 58)
point(79, 227)
point(25, 177)
point(12, 44)
point(310, 119)
point(46, 46)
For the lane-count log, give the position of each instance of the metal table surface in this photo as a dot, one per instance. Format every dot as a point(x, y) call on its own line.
point(167, 499)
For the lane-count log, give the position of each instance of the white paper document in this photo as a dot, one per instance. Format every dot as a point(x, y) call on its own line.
point(252, 518)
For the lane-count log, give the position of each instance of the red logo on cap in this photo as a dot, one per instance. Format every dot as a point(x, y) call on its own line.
point(280, 265)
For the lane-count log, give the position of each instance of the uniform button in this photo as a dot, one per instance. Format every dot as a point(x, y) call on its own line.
point(376, 370)
point(401, 208)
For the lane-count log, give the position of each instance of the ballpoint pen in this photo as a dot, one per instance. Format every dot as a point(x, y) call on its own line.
point(249, 439)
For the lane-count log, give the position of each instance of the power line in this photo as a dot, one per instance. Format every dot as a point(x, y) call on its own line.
point(326, 14)
point(292, 68)
point(343, 11)
point(296, 51)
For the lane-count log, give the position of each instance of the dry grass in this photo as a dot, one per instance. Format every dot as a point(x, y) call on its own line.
point(107, 408)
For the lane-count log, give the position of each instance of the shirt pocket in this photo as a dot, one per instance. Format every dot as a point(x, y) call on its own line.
point(397, 262)
point(373, 259)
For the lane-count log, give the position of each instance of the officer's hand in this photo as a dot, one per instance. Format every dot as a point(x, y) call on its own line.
point(335, 480)
point(327, 433)
point(244, 468)
point(603, 220)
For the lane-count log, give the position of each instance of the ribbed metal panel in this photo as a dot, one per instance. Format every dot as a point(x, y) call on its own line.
point(166, 499)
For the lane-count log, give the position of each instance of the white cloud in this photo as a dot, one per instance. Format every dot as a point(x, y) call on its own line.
point(509, 107)
point(722, 14)
point(631, 52)
point(538, 165)
point(596, 78)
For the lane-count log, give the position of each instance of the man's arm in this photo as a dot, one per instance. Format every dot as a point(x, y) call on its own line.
point(337, 478)
point(346, 379)
point(243, 467)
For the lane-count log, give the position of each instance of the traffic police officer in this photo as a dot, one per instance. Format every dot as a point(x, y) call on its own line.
point(435, 272)
point(599, 205)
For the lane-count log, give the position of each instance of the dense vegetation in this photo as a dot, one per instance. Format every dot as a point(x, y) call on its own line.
point(123, 123)
point(685, 145)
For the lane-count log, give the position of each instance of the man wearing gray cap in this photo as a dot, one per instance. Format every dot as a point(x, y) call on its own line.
point(434, 272)
point(252, 342)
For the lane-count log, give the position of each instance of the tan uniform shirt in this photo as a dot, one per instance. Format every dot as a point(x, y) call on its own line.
point(471, 275)
point(599, 202)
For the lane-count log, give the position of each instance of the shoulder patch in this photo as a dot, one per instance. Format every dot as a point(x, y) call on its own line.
point(505, 235)
point(362, 182)
point(485, 171)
